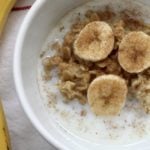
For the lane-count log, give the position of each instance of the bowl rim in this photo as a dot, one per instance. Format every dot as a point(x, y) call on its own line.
point(19, 82)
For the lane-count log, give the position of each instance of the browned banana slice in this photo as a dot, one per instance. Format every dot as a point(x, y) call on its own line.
point(134, 52)
point(107, 95)
point(95, 41)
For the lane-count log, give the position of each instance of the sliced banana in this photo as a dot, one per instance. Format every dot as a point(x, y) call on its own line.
point(107, 95)
point(134, 52)
point(95, 42)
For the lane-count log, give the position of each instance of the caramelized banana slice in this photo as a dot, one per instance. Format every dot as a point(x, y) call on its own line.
point(134, 52)
point(107, 95)
point(95, 42)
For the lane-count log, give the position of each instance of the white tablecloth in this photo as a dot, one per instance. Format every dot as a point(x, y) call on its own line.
point(22, 133)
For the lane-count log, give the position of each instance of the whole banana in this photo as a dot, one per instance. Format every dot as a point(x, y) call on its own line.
point(4, 137)
point(5, 7)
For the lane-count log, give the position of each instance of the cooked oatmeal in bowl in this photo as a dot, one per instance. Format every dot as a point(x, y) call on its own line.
point(96, 68)
point(102, 44)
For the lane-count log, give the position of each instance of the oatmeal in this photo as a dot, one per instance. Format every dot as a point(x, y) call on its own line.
point(77, 73)
point(141, 89)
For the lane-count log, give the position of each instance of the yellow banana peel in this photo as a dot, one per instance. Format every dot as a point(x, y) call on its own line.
point(5, 7)
point(4, 137)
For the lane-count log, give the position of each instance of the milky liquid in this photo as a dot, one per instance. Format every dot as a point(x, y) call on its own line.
point(131, 126)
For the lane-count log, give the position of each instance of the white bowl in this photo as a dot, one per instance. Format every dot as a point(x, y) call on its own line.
point(42, 17)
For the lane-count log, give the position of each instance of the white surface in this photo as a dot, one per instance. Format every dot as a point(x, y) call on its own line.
point(33, 34)
point(23, 135)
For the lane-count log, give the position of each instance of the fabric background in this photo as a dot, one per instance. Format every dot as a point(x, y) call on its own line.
point(22, 133)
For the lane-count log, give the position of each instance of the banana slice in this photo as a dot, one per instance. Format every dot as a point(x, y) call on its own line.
point(134, 52)
point(95, 42)
point(107, 95)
